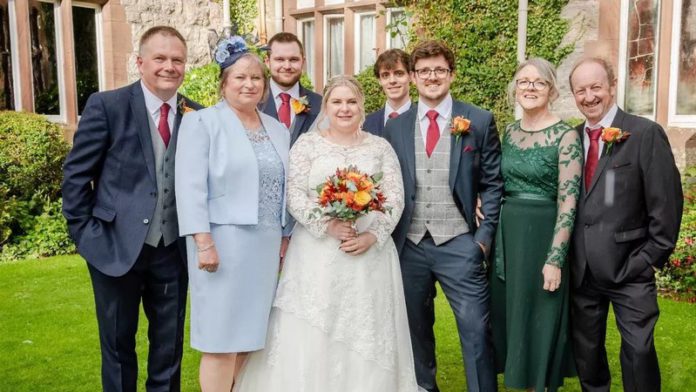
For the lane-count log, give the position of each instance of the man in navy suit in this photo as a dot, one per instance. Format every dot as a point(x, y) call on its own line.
point(627, 225)
point(438, 237)
point(392, 71)
point(118, 199)
point(286, 60)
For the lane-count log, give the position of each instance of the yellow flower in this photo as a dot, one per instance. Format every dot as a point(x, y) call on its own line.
point(300, 105)
point(362, 198)
point(460, 126)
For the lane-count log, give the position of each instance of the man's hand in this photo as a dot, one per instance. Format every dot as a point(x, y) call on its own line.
point(283, 249)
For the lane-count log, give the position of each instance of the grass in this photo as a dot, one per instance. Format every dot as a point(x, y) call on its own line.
point(49, 341)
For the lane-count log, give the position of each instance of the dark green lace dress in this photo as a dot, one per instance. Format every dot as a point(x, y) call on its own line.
point(531, 334)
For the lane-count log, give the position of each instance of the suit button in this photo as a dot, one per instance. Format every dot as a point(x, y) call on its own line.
point(166, 191)
point(587, 226)
point(427, 222)
point(146, 221)
point(153, 194)
point(413, 197)
point(428, 171)
point(427, 205)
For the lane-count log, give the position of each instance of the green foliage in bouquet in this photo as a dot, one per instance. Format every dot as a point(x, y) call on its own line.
point(679, 275)
point(32, 151)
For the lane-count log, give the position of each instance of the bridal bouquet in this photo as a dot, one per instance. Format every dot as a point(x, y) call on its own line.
point(349, 194)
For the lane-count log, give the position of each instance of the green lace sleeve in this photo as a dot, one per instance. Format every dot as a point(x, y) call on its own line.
point(570, 156)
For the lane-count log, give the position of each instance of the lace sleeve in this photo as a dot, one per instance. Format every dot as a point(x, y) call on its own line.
point(302, 199)
point(393, 188)
point(569, 173)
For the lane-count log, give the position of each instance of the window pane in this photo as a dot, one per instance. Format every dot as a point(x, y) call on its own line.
point(43, 58)
point(86, 57)
point(398, 29)
point(308, 42)
point(335, 46)
point(367, 41)
point(641, 59)
point(6, 81)
point(686, 87)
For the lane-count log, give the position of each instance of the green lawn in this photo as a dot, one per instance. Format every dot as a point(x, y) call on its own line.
point(48, 335)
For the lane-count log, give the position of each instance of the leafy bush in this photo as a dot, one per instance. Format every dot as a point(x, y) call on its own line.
point(201, 84)
point(679, 275)
point(374, 96)
point(32, 151)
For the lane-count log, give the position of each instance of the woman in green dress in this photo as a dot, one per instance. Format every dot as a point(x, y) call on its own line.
point(541, 166)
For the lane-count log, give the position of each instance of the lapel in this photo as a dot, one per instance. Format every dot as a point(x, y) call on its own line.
point(140, 115)
point(380, 123)
point(177, 119)
point(269, 106)
point(408, 140)
point(458, 109)
point(604, 157)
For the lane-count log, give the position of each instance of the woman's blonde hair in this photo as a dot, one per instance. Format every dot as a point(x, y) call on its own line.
point(338, 81)
point(546, 70)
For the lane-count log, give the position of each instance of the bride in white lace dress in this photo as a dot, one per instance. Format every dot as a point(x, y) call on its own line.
point(338, 322)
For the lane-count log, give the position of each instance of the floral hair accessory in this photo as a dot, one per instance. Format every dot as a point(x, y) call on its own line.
point(613, 135)
point(460, 126)
point(300, 105)
point(229, 50)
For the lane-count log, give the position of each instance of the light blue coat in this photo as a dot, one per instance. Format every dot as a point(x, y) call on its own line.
point(217, 176)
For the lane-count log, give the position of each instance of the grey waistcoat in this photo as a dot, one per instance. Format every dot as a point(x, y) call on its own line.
point(434, 210)
point(164, 223)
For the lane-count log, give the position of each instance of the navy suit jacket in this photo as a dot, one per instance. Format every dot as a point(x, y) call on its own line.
point(303, 120)
point(474, 169)
point(629, 218)
point(109, 184)
point(374, 122)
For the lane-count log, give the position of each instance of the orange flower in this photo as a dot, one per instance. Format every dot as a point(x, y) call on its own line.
point(613, 135)
point(362, 198)
point(460, 126)
point(183, 108)
point(300, 105)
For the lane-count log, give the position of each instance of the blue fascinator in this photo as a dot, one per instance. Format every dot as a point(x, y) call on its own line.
point(229, 50)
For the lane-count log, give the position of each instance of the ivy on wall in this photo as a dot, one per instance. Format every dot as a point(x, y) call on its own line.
point(483, 35)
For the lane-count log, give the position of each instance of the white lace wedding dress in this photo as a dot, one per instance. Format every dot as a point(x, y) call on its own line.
point(338, 323)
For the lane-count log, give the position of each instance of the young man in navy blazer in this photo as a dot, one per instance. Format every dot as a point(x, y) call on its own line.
point(118, 199)
point(392, 72)
point(285, 61)
point(438, 237)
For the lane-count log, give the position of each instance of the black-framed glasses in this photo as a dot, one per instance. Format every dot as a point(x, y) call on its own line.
point(524, 84)
point(440, 73)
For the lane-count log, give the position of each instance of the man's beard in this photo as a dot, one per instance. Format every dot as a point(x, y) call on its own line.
point(287, 84)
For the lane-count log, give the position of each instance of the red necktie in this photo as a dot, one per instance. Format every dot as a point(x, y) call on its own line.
point(163, 127)
point(592, 155)
point(284, 110)
point(433, 132)
point(393, 115)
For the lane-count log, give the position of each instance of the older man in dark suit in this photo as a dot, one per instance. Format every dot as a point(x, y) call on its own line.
point(627, 225)
point(288, 101)
point(118, 199)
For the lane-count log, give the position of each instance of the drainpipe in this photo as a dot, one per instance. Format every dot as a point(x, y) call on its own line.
point(226, 19)
point(521, 41)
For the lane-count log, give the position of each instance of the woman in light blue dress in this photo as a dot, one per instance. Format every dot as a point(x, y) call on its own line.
point(230, 182)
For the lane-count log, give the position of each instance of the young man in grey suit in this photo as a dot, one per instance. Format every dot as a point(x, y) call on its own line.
point(392, 71)
point(438, 238)
point(285, 61)
point(118, 199)
point(627, 225)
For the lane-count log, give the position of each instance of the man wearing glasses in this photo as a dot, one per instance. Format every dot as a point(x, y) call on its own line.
point(392, 72)
point(449, 154)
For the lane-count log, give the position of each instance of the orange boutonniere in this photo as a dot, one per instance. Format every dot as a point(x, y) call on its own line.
point(613, 135)
point(184, 108)
point(460, 126)
point(300, 105)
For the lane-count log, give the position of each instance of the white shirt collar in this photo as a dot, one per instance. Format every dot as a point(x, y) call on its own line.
point(443, 109)
point(607, 120)
point(153, 103)
point(388, 109)
point(294, 91)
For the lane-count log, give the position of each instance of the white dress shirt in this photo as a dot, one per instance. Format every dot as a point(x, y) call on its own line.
point(444, 111)
point(153, 105)
point(294, 92)
point(605, 122)
point(389, 110)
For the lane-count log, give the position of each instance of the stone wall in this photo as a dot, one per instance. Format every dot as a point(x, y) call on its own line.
point(199, 21)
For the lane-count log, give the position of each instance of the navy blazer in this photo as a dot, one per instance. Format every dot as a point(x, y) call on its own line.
point(303, 120)
point(629, 218)
point(374, 122)
point(109, 183)
point(474, 169)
